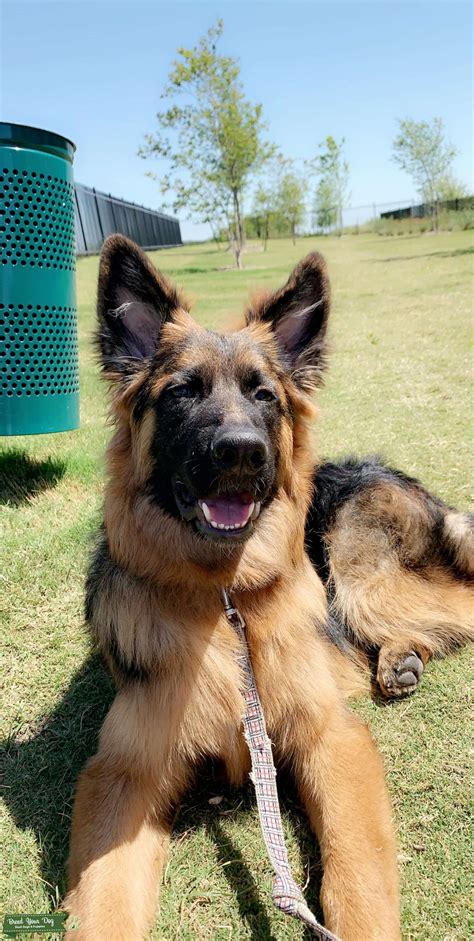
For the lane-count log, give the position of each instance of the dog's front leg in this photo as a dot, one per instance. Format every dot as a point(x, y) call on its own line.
point(121, 826)
point(341, 781)
point(118, 848)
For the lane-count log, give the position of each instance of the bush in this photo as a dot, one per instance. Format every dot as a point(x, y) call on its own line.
point(448, 220)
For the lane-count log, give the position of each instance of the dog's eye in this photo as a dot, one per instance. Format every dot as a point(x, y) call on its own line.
point(188, 390)
point(265, 395)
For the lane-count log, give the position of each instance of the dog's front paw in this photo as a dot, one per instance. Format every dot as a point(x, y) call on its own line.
point(399, 673)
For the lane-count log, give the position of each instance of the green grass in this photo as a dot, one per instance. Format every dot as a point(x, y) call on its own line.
point(398, 384)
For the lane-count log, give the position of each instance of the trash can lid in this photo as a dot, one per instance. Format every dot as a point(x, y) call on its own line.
point(21, 135)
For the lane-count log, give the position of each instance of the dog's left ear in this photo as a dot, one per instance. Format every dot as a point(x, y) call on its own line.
point(298, 315)
point(134, 300)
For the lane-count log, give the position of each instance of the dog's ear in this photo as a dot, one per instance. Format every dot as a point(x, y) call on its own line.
point(298, 315)
point(133, 302)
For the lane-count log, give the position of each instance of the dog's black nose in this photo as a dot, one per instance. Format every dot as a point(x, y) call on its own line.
point(239, 450)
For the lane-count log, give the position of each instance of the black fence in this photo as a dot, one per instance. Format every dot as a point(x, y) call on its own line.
point(427, 209)
point(97, 215)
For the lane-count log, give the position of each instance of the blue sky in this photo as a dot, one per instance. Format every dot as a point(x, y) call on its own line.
point(94, 72)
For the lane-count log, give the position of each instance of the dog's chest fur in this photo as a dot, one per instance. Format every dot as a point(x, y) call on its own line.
point(176, 659)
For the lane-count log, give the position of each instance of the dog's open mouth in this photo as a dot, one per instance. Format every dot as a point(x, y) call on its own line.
point(232, 512)
point(226, 515)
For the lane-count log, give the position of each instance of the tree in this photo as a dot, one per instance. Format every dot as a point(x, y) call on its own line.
point(214, 209)
point(290, 202)
point(263, 207)
point(279, 200)
point(448, 187)
point(421, 150)
point(211, 136)
point(325, 208)
point(333, 171)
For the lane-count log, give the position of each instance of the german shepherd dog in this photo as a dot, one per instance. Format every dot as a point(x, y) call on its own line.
point(211, 482)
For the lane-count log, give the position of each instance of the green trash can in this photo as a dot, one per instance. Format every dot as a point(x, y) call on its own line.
point(39, 370)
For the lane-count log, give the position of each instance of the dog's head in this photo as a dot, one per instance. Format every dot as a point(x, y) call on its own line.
point(210, 419)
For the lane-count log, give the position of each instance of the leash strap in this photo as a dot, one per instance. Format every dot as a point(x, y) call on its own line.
point(286, 895)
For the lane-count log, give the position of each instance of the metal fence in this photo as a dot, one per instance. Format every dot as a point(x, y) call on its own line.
point(355, 216)
point(98, 215)
point(427, 209)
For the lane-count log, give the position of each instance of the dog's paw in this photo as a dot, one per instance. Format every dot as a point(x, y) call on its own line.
point(399, 673)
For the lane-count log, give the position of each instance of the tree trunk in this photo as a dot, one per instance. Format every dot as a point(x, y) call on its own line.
point(238, 230)
point(265, 237)
point(293, 228)
point(237, 255)
point(240, 233)
point(433, 202)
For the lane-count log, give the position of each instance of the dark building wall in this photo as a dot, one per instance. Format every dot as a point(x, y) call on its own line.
point(98, 215)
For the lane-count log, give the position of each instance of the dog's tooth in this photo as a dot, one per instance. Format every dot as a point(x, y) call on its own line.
point(221, 525)
point(227, 527)
point(251, 509)
point(256, 511)
point(214, 524)
point(205, 510)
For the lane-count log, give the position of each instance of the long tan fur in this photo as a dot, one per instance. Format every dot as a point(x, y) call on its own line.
point(158, 598)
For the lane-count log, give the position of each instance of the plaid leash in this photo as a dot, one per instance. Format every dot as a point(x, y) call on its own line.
point(286, 895)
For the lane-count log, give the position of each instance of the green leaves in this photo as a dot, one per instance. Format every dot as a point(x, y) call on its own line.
point(290, 201)
point(210, 135)
point(420, 148)
point(332, 192)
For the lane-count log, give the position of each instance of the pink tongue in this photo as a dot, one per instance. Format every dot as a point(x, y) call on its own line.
point(230, 512)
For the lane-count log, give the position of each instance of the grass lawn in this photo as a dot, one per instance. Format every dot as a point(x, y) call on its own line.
point(399, 384)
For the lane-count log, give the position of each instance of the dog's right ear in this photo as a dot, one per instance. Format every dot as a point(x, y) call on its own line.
point(133, 302)
point(298, 316)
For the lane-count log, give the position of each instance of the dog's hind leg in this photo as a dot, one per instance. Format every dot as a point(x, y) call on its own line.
point(406, 617)
point(400, 670)
point(398, 565)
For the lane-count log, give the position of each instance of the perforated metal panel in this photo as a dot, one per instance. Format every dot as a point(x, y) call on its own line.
point(37, 212)
point(39, 370)
point(40, 350)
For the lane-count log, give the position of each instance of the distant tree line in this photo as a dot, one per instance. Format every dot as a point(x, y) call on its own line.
point(218, 160)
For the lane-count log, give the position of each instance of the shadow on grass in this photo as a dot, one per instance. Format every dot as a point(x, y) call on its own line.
point(453, 254)
point(42, 764)
point(209, 251)
point(22, 477)
point(241, 882)
point(196, 813)
point(193, 269)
